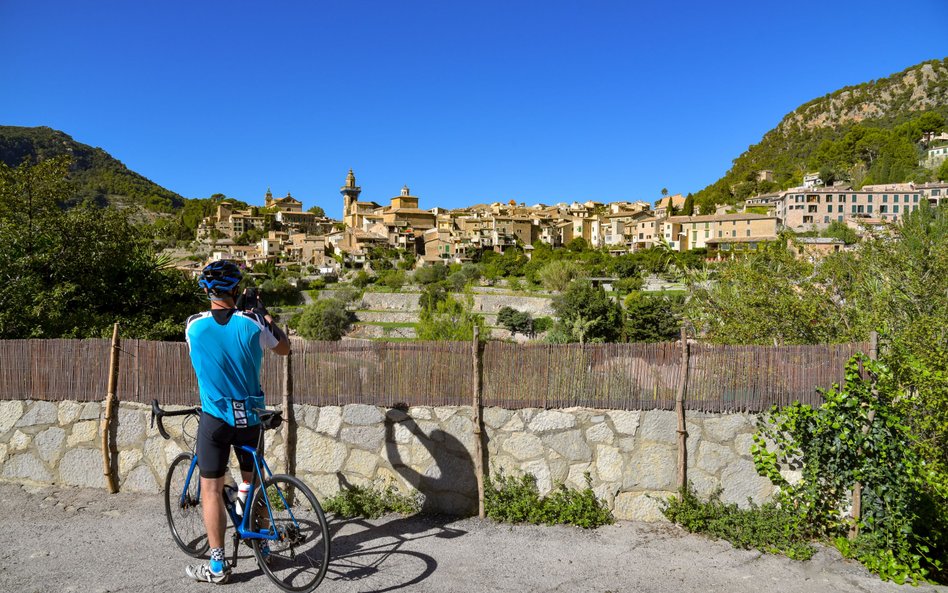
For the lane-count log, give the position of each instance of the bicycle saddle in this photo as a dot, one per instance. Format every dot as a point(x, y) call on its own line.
point(269, 419)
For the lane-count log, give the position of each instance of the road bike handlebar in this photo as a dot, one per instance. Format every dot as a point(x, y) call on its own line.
point(158, 413)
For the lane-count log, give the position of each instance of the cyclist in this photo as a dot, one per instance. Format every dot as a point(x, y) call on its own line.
point(226, 347)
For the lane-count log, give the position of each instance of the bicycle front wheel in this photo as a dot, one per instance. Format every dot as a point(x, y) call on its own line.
point(183, 507)
point(298, 559)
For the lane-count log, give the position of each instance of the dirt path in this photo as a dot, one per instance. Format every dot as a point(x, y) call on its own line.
point(59, 540)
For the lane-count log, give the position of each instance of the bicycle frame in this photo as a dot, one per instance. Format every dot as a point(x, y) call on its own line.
point(241, 523)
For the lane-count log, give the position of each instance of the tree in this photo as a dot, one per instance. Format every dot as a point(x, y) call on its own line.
point(74, 272)
point(318, 211)
point(688, 209)
point(393, 279)
point(651, 318)
point(450, 320)
point(515, 321)
point(431, 274)
point(664, 191)
point(942, 172)
point(326, 319)
point(558, 274)
point(586, 314)
point(842, 231)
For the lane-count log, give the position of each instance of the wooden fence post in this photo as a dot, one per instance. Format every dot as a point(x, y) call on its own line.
point(478, 405)
point(289, 415)
point(107, 443)
point(680, 411)
point(857, 487)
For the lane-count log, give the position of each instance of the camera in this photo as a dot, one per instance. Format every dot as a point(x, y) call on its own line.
point(248, 300)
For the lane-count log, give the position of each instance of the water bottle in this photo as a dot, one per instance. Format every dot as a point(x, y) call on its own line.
point(242, 491)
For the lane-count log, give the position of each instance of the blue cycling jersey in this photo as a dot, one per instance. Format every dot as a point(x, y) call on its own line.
point(226, 349)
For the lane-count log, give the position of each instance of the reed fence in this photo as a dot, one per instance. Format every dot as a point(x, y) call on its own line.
point(607, 376)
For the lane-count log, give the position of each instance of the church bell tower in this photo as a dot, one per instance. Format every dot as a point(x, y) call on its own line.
point(350, 195)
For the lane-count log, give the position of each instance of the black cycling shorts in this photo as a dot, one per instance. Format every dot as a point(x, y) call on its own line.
point(214, 441)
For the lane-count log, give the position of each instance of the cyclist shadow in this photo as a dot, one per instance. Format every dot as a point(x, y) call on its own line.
point(448, 485)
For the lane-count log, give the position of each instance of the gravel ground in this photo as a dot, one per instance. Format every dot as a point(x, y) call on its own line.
point(59, 540)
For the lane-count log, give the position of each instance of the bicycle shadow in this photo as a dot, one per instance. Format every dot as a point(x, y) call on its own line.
point(362, 549)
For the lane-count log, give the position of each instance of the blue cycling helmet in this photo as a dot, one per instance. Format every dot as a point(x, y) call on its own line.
point(220, 278)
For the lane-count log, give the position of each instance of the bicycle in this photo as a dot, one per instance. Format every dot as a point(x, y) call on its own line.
point(284, 513)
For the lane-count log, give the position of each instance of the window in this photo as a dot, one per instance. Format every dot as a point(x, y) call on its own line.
point(829, 198)
point(905, 198)
point(842, 197)
point(895, 209)
point(733, 233)
point(883, 209)
point(826, 219)
point(869, 198)
point(706, 234)
point(885, 198)
point(854, 208)
point(854, 198)
point(914, 207)
point(915, 198)
point(748, 232)
point(869, 209)
point(840, 209)
point(829, 207)
point(720, 233)
point(839, 218)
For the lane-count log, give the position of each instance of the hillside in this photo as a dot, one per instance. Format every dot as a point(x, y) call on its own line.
point(874, 132)
point(95, 174)
point(99, 177)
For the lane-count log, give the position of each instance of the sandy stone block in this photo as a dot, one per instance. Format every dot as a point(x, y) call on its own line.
point(38, 414)
point(49, 443)
point(130, 428)
point(659, 426)
point(541, 471)
point(704, 483)
point(576, 478)
point(19, 441)
point(444, 412)
point(4, 450)
point(316, 453)
point(600, 433)
point(361, 415)
point(364, 437)
point(10, 413)
point(330, 420)
point(420, 412)
point(569, 444)
point(741, 480)
point(637, 506)
point(83, 432)
point(27, 466)
point(128, 459)
point(68, 412)
point(496, 417)
point(724, 428)
point(515, 424)
point(141, 479)
point(549, 420)
point(653, 467)
point(712, 456)
point(82, 467)
point(524, 446)
point(91, 411)
point(609, 463)
point(743, 444)
point(625, 422)
point(362, 463)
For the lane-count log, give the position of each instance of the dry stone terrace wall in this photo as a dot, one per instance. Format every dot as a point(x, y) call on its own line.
point(630, 456)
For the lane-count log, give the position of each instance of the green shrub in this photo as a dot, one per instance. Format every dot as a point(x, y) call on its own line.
point(371, 502)
point(769, 527)
point(517, 500)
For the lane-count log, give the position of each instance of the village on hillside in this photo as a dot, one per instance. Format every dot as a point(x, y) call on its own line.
point(282, 233)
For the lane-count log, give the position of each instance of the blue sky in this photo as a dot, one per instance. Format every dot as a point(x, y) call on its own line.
point(465, 102)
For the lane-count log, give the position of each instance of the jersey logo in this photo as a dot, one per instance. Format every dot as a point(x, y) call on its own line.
point(240, 414)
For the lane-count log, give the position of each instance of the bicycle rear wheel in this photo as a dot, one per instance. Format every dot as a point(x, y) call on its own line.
point(299, 558)
point(183, 507)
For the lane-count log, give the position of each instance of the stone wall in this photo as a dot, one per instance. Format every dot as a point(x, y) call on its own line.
point(630, 456)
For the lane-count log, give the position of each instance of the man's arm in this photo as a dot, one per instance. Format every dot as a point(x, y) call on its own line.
point(283, 347)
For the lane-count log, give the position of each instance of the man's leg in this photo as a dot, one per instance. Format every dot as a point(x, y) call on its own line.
point(215, 520)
